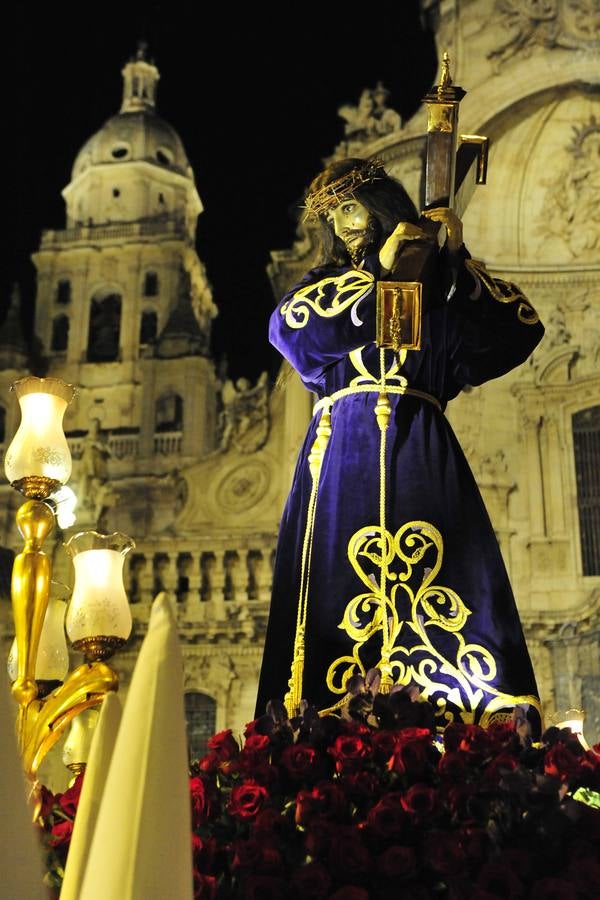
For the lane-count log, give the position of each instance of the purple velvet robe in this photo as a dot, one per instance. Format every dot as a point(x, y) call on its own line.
point(452, 624)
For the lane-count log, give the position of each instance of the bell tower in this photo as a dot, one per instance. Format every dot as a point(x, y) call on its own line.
point(123, 307)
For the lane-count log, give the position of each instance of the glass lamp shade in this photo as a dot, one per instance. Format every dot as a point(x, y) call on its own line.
point(52, 663)
point(77, 745)
point(39, 449)
point(98, 617)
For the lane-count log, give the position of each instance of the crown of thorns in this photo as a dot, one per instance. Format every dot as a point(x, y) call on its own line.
point(343, 187)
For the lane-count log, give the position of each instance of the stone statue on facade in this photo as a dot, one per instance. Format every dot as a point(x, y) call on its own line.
point(244, 418)
point(95, 494)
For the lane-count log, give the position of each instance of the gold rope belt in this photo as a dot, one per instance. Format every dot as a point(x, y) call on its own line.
point(327, 402)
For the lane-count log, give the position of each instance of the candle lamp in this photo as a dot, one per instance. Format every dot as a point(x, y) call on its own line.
point(38, 464)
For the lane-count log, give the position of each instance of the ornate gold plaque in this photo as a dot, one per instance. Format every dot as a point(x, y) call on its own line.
point(399, 307)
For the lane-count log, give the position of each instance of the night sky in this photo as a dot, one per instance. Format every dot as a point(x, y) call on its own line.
point(253, 98)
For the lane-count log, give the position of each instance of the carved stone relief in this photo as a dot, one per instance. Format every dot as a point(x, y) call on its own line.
point(570, 213)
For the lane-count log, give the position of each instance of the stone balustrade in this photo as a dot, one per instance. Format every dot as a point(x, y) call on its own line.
point(89, 233)
point(219, 589)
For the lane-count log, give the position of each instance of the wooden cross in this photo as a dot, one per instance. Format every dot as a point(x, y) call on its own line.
point(450, 179)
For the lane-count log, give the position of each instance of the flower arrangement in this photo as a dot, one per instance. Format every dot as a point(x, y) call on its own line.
point(373, 804)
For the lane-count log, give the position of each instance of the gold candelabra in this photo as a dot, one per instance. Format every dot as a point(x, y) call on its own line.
point(98, 620)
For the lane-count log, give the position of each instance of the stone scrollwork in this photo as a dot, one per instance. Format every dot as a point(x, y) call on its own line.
point(570, 214)
point(242, 487)
point(570, 24)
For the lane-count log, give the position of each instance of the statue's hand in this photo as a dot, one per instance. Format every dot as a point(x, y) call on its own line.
point(404, 231)
point(453, 225)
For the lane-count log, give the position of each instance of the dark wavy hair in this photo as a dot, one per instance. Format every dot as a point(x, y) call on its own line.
point(385, 197)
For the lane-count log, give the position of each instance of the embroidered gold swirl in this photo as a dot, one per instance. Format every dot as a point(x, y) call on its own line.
point(425, 619)
point(349, 289)
point(504, 291)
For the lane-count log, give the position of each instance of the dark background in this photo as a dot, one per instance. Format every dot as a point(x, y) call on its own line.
point(253, 93)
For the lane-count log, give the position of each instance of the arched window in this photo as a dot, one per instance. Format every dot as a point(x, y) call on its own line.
point(105, 325)
point(148, 327)
point(586, 441)
point(201, 717)
point(150, 284)
point(63, 291)
point(60, 334)
point(2, 424)
point(169, 413)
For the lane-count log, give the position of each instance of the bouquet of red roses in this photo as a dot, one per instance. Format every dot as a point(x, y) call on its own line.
point(377, 806)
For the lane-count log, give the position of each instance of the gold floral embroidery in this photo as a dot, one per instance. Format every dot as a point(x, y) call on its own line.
point(424, 619)
point(504, 291)
point(350, 288)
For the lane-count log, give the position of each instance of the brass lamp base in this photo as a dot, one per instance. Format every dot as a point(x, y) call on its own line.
point(98, 647)
point(36, 487)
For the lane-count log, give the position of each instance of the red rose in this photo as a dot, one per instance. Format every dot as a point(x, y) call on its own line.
point(250, 728)
point(311, 882)
point(458, 800)
point(503, 737)
point(257, 743)
point(203, 800)
point(444, 853)
point(265, 887)
point(348, 858)
point(247, 855)
point(476, 844)
point(412, 753)
point(553, 889)
point(269, 819)
point(318, 838)
point(257, 768)
point(206, 854)
point(324, 801)
point(362, 786)
point(350, 892)
point(500, 880)
point(421, 802)
point(387, 819)
point(69, 801)
point(256, 856)
point(299, 760)
point(61, 833)
point(397, 863)
point(499, 766)
point(46, 801)
point(453, 764)
point(349, 751)
point(246, 800)
point(471, 738)
point(475, 740)
point(385, 744)
point(224, 745)
point(209, 763)
point(205, 886)
point(560, 763)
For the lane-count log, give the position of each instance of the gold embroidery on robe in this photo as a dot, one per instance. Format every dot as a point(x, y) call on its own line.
point(504, 291)
point(458, 679)
point(351, 287)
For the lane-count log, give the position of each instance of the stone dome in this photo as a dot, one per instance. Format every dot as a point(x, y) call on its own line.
point(134, 136)
point(136, 133)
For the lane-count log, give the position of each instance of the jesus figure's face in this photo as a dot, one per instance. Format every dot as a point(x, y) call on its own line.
point(354, 225)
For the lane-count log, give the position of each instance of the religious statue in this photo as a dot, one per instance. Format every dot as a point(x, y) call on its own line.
point(244, 417)
point(386, 557)
point(94, 493)
point(370, 118)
